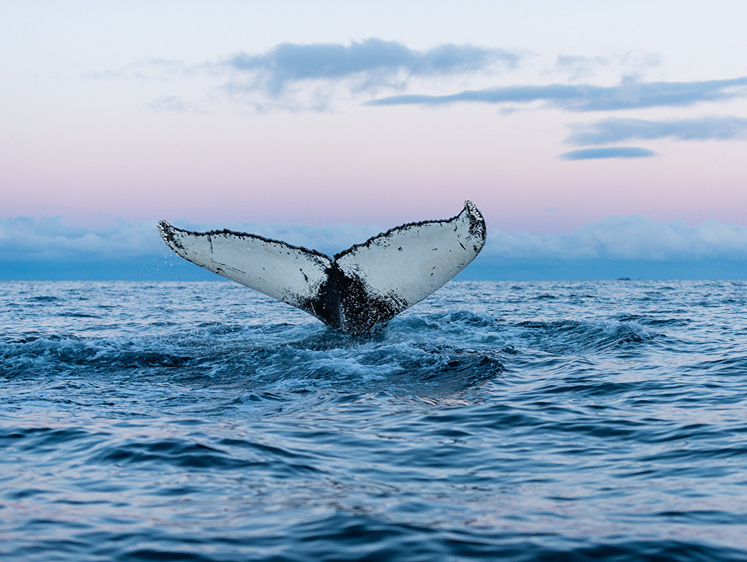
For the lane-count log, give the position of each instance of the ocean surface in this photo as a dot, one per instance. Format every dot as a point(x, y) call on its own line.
point(498, 420)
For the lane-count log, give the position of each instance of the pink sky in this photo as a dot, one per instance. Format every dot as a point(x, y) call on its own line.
point(97, 125)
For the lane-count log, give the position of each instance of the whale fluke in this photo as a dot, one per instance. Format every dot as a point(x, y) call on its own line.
point(361, 287)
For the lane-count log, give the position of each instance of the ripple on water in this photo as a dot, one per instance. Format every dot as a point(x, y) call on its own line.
point(520, 421)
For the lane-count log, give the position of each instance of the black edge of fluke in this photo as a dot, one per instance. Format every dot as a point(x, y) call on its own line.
point(168, 231)
point(167, 234)
point(477, 227)
point(344, 298)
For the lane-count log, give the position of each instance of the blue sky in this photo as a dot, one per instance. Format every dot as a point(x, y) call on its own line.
point(595, 137)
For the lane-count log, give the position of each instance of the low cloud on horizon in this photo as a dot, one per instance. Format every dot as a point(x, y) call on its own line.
point(51, 243)
point(627, 238)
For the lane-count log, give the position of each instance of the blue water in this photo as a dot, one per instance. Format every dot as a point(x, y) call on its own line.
point(525, 421)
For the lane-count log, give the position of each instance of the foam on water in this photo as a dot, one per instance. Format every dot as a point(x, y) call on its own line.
point(518, 420)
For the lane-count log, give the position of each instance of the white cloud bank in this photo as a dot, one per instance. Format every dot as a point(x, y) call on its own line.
point(627, 238)
point(614, 238)
point(52, 239)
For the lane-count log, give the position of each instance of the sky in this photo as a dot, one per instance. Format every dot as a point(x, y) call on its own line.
point(599, 139)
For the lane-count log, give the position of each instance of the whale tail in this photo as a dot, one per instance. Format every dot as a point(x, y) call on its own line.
point(359, 288)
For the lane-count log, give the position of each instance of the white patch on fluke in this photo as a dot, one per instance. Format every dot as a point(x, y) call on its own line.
point(363, 286)
point(276, 269)
point(414, 260)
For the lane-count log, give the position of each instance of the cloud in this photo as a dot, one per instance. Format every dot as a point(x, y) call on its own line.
point(147, 70)
point(371, 64)
point(50, 248)
point(629, 94)
point(619, 130)
point(611, 152)
point(310, 76)
point(172, 104)
point(53, 239)
point(313, 76)
point(577, 67)
point(627, 238)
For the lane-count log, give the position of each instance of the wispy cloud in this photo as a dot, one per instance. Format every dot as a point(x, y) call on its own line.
point(611, 152)
point(372, 64)
point(145, 70)
point(620, 130)
point(317, 75)
point(313, 76)
point(173, 104)
point(577, 68)
point(629, 94)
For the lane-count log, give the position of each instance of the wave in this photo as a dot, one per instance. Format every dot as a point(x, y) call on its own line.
point(283, 357)
point(493, 420)
point(458, 348)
